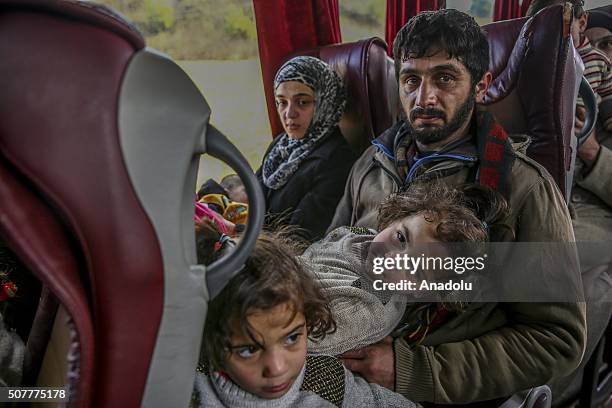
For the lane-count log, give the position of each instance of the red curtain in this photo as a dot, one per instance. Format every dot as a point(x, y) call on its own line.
point(287, 26)
point(400, 11)
point(506, 10)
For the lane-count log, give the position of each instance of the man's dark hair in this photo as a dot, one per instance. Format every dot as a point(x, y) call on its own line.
point(537, 5)
point(446, 30)
point(271, 277)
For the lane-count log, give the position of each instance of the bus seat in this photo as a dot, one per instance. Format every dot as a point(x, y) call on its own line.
point(531, 100)
point(41, 243)
point(372, 93)
point(107, 136)
point(604, 9)
point(537, 397)
point(39, 336)
point(55, 365)
point(62, 66)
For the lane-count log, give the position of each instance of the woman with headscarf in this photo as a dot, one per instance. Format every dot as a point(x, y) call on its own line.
point(305, 168)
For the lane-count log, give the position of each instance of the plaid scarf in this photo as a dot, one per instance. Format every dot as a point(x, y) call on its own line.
point(495, 154)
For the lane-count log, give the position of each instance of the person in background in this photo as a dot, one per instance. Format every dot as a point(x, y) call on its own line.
point(591, 199)
point(304, 167)
point(235, 188)
point(228, 199)
point(599, 32)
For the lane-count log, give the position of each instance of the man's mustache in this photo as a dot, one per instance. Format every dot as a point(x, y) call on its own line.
point(426, 112)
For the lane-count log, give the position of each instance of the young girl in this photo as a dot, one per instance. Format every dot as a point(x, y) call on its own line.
point(419, 219)
point(254, 350)
point(442, 352)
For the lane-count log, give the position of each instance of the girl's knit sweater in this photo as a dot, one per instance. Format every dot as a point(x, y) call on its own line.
point(323, 382)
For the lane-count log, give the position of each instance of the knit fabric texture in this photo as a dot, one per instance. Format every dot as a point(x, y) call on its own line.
point(363, 316)
point(322, 383)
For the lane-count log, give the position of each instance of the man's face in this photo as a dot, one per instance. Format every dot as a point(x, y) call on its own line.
point(438, 97)
point(601, 38)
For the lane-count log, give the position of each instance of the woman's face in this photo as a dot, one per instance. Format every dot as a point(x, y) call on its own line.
point(295, 104)
point(269, 370)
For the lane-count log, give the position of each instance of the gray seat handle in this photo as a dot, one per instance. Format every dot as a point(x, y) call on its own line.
point(221, 271)
point(590, 103)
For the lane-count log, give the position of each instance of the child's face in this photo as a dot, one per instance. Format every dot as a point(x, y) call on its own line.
point(238, 194)
point(235, 190)
point(269, 371)
point(415, 229)
point(414, 236)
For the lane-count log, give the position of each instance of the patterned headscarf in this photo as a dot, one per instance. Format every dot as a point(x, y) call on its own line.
point(330, 98)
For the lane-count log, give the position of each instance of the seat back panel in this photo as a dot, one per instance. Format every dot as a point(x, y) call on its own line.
point(61, 79)
point(40, 242)
point(534, 85)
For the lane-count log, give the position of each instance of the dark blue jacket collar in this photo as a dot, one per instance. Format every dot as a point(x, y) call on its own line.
point(388, 139)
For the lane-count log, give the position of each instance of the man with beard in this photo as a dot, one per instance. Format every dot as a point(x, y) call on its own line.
point(441, 61)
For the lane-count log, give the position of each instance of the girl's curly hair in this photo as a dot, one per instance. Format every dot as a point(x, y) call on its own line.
point(468, 213)
point(271, 276)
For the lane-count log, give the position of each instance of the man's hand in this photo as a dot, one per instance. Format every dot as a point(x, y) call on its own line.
point(375, 363)
point(589, 150)
point(580, 118)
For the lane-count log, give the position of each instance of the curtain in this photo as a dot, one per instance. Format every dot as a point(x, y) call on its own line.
point(288, 26)
point(400, 11)
point(506, 10)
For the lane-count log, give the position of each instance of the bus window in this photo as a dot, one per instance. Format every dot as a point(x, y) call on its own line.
point(481, 10)
point(361, 19)
point(215, 42)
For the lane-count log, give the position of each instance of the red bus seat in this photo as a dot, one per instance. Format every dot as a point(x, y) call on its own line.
point(101, 138)
point(534, 86)
point(372, 92)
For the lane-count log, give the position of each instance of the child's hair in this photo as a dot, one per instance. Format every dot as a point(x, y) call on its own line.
point(210, 186)
point(231, 181)
point(464, 214)
point(271, 276)
point(210, 242)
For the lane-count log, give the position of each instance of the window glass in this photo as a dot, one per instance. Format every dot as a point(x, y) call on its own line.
point(589, 4)
point(361, 19)
point(481, 10)
point(215, 42)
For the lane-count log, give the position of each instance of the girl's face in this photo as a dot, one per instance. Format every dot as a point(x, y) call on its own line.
point(295, 104)
point(268, 371)
point(415, 229)
point(413, 236)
